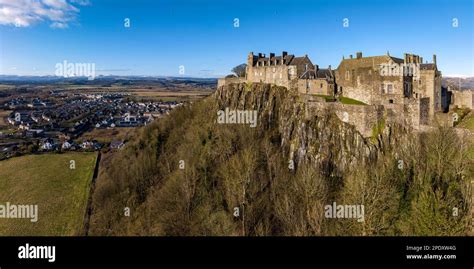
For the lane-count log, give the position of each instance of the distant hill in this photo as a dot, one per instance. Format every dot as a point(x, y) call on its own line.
point(464, 83)
point(107, 80)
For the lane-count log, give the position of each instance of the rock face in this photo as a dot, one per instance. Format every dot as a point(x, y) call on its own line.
point(306, 135)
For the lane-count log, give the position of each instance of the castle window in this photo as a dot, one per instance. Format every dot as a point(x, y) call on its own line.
point(348, 75)
point(382, 88)
point(390, 101)
point(389, 88)
point(277, 62)
point(321, 86)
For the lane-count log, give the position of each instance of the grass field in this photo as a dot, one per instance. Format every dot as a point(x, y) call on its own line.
point(107, 135)
point(468, 122)
point(46, 180)
point(3, 115)
point(343, 100)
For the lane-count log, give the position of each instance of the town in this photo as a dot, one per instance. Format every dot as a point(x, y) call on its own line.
point(58, 120)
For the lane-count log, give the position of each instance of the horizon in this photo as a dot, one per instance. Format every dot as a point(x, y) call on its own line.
point(205, 40)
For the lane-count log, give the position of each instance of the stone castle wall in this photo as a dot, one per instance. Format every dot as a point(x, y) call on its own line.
point(413, 113)
point(225, 81)
point(362, 117)
point(274, 74)
point(315, 86)
point(463, 99)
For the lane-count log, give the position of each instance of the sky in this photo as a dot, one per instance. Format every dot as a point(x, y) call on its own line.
point(207, 38)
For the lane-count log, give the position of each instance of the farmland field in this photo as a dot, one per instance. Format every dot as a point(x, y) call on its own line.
point(46, 180)
point(107, 135)
point(3, 115)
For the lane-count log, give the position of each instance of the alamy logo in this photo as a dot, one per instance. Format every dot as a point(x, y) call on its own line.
point(37, 252)
point(67, 70)
point(344, 212)
point(237, 117)
point(10, 211)
point(405, 69)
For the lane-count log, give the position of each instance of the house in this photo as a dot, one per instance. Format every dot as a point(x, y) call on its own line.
point(116, 144)
point(87, 144)
point(66, 145)
point(47, 144)
point(34, 132)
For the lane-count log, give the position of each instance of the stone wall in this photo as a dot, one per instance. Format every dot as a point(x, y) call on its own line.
point(362, 117)
point(275, 74)
point(315, 86)
point(464, 99)
point(429, 85)
point(226, 81)
point(412, 112)
point(362, 80)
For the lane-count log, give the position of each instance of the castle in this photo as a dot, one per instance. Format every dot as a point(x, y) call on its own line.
point(404, 90)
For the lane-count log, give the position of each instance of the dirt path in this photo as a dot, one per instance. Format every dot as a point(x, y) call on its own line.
point(85, 230)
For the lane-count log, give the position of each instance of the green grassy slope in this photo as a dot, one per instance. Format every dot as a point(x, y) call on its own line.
point(61, 193)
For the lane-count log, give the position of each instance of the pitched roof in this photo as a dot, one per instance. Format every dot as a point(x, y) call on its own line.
point(431, 66)
point(371, 60)
point(324, 73)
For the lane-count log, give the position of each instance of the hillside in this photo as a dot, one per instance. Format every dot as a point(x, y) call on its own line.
point(188, 175)
point(46, 180)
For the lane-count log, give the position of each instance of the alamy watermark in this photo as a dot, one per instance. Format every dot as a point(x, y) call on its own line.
point(11, 211)
point(37, 252)
point(335, 211)
point(395, 69)
point(66, 69)
point(228, 116)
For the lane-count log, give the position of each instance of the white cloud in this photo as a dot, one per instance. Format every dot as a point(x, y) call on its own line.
point(24, 13)
point(59, 25)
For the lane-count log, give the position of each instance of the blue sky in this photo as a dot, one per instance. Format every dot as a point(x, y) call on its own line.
point(200, 35)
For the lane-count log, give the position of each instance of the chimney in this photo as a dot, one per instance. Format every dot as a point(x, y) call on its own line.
point(405, 58)
point(359, 55)
point(329, 67)
point(434, 59)
point(421, 60)
point(283, 54)
point(350, 56)
point(250, 59)
point(272, 55)
point(259, 55)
